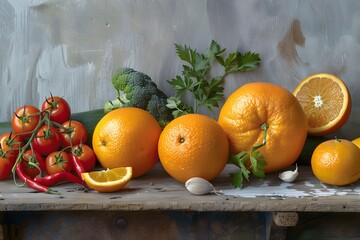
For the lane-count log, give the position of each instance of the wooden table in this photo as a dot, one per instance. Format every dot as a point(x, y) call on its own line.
point(158, 205)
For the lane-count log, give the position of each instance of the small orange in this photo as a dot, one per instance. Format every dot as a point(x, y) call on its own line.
point(193, 145)
point(356, 141)
point(127, 137)
point(326, 102)
point(109, 180)
point(258, 103)
point(336, 162)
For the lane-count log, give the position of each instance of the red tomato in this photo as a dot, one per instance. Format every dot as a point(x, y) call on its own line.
point(9, 145)
point(75, 135)
point(5, 167)
point(25, 120)
point(46, 140)
point(86, 156)
point(58, 161)
point(58, 108)
point(31, 158)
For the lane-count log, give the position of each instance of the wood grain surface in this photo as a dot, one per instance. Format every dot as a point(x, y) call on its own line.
point(158, 191)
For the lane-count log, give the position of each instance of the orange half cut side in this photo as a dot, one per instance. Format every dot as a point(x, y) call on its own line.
point(326, 102)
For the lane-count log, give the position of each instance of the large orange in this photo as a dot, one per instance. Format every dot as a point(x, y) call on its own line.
point(326, 102)
point(127, 137)
point(193, 145)
point(258, 103)
point(336, 162)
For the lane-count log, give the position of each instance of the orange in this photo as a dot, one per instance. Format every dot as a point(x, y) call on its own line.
point(336, 162)
point(356, 141)
point(193, 145)
point(110, 180)
point(127, 137)
point(258, 103)
point(326, 102)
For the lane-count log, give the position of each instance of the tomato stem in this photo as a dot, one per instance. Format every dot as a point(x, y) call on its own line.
point(22, 150)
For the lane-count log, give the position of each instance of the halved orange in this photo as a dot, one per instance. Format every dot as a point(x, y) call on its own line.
point(109, 180)
point(326, 102)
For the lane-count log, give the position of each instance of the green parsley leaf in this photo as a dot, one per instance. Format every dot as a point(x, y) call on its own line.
point(237, 179)
point(254, 158)
point(207, 90)
point(179, 108)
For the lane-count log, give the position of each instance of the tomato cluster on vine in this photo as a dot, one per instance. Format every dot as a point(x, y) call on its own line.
point(45, 142)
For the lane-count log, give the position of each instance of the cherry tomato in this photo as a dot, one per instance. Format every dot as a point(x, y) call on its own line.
point(46, 140)
point(58, 108)
point(10, 145)
point(30, 159)
point(58, 161)
point(5, 167)
point(25, 120)
point(75, 135)
point(86, 156)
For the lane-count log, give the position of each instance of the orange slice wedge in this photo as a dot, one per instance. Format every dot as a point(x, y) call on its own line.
point(110, 180)
point(326, 102)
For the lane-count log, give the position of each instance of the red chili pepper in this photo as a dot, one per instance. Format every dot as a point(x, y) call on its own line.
point(30, 182)
point(60, 177)
point(79, 167)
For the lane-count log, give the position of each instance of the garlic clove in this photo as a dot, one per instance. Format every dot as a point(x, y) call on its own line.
point(200, 186)
point(289, 176)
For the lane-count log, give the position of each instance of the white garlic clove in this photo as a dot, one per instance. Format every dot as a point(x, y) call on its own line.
point(199, 186)
point(289, 176)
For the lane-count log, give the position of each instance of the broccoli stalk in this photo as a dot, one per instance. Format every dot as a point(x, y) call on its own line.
point(136, 89)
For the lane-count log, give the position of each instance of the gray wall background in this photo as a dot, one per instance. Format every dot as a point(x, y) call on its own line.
point(72, 48)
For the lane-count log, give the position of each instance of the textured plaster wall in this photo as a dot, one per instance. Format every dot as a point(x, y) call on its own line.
point(72, 47)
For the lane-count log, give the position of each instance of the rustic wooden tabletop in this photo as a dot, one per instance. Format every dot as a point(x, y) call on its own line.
point(158, 191)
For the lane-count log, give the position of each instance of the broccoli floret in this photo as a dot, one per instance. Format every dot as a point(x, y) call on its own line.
point(136, 89)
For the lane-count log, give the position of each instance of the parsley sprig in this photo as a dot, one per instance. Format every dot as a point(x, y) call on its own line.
point(206, 90)
point(254, 157)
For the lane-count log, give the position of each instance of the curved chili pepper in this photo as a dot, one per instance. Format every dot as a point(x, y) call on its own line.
point(60, 177)
point(31, 183)
point(79, 167)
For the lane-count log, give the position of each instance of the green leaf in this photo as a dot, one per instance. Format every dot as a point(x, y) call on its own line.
point(186, 54)
point(245, 171)
point(214, 50)
point(251, 57)
point(260, 163)
point(178, 113)
point(230, 59)
point(243, 63)
point(237, 179)
point(236, 158)
point(220, 61)
point(179, 108)
point(196, 76)
point(202, 66)
point(179, 84)
point(254, 156)
point(172, 103)
point(249, 61)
